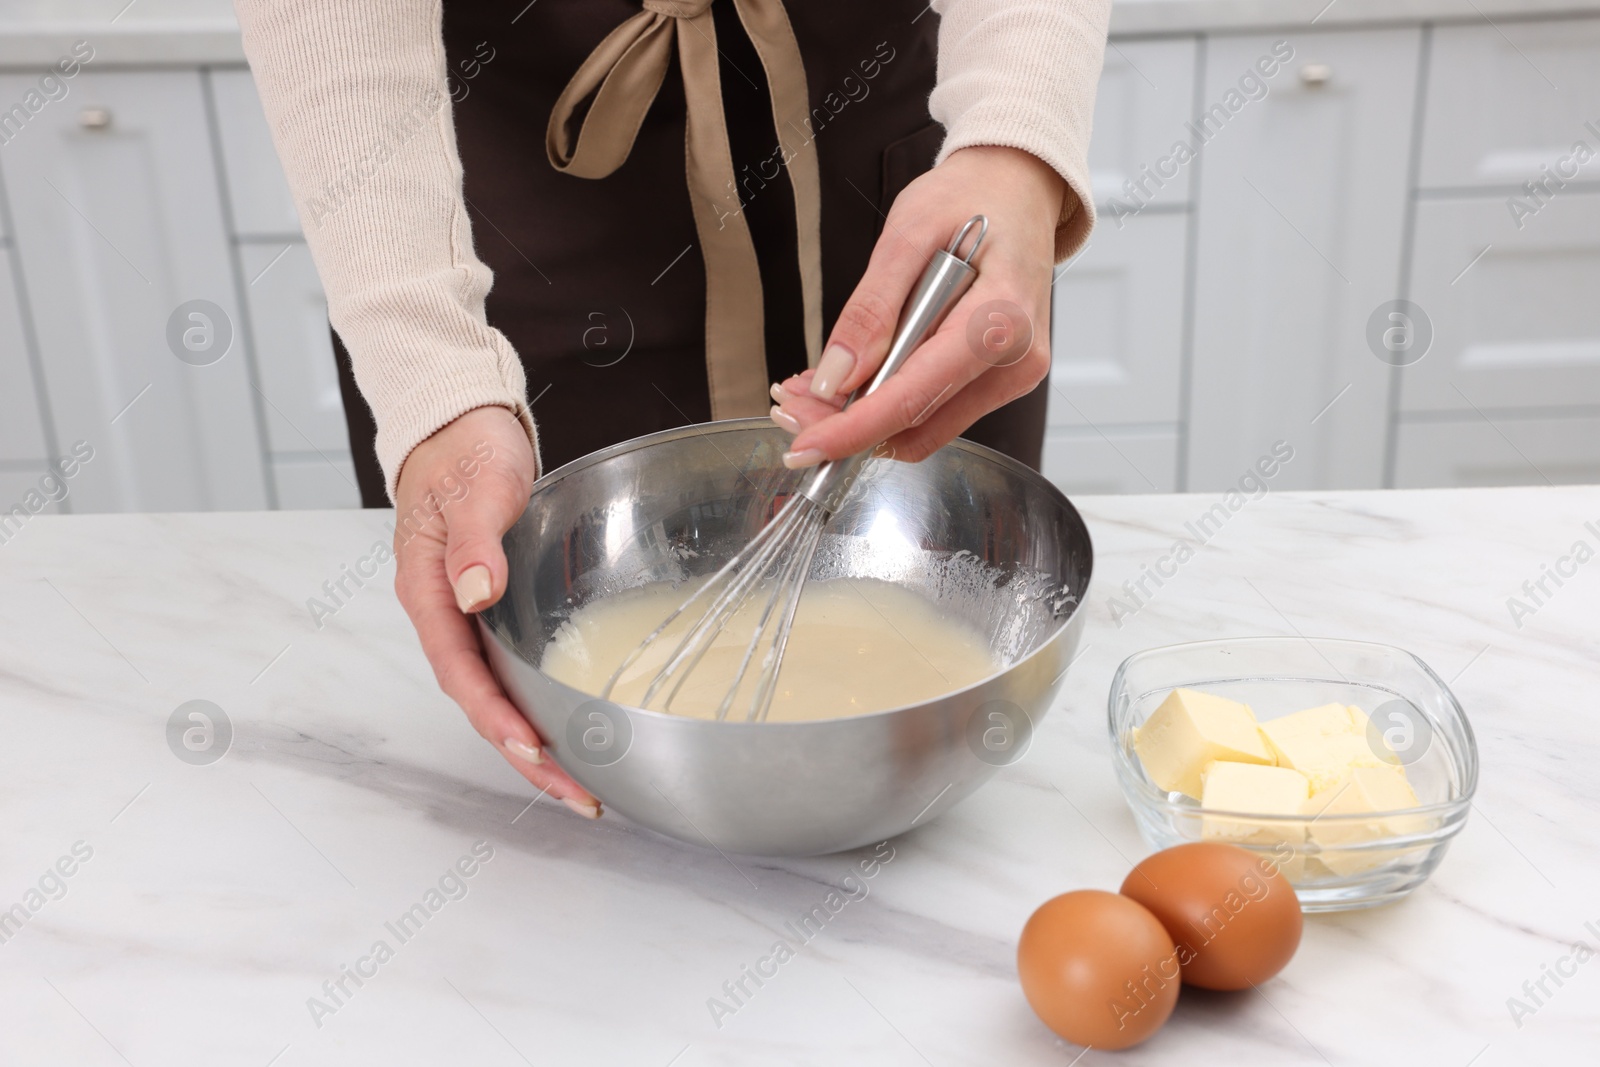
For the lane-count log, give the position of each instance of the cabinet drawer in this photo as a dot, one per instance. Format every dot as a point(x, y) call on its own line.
point(1495, 115)
point(1510, 452)
point(1521, 326)
point(289, 318)
point(262, 203)
point(1146, 95)
point(21, 434)
point(1116, 331)
point(1123, 460)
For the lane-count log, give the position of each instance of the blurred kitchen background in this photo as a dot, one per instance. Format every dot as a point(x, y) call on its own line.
point(1386, 253)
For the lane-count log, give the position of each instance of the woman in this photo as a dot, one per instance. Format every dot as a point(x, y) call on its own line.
point(717, 182)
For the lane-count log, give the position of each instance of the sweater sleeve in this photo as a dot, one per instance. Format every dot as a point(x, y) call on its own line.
point(1022, 74)
point(358, 101)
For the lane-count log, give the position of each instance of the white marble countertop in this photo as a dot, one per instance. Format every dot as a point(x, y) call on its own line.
point(216, 900)
point(34, 33)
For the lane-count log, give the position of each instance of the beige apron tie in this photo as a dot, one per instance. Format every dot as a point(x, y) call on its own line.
point(623, 75)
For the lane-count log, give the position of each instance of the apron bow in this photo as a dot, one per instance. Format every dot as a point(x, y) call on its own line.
point(621, 78)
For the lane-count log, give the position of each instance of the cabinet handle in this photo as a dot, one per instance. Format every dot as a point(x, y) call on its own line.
point(1315, 75)
point(94, 118)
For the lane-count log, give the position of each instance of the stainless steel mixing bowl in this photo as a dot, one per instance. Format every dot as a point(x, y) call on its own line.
point(984, 537)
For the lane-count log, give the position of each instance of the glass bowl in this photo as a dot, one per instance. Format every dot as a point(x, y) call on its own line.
point(1335, 861)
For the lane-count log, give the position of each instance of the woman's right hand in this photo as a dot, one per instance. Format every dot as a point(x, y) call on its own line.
point(459, 492)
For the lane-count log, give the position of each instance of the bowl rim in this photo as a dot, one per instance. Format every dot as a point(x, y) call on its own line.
point(1136, 783)
point(702, 429)
point(544, 482)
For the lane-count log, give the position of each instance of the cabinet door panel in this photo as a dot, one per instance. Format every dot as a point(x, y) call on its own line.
point(1301, 213)
point(1511, 451)
point(1506, 100)
point(21, 433)
point(1146, 94)
point(257, 188)
point(1121, 461)
point(289, 318)
point(116, 228)
point(1117, 326)
point(1520, 327)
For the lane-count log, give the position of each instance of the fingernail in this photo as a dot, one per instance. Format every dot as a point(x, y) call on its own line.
point(472, 587)
point(779, 393)
point(835, 363)
point(589, 809)
point(806, 457)
point(785, 420)
point(531, 753)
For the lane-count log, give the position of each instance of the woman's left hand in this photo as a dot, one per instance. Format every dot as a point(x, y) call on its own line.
point(994, 345)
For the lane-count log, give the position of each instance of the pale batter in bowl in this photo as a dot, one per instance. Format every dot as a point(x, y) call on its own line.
point(858, 646)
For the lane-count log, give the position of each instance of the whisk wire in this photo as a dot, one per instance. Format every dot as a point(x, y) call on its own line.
point(754, 548)
point(794, 539)
point(698, 641)
point(800, 567)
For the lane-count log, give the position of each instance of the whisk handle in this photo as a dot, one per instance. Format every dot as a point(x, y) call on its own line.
point(949, 274)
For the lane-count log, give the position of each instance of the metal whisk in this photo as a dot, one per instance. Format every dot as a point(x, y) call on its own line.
point(778, 560)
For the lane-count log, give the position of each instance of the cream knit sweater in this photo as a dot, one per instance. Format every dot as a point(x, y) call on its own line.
point(356, 97)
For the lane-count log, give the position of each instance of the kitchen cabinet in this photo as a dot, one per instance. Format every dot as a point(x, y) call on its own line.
point(262, 205)
point(113, 193)
point(22, 438)
point(317, 480)
point(1509, 99)
point(1117, 326)
point(1515, 316)
point(15, 485)
point(1117, 307)
point(289, 318)
point(310, 446)
point(1116, 333)
point(1505, 272)
point(1145, 95)
point(1301, 216)
point(1506, 451)
point(1113, 460)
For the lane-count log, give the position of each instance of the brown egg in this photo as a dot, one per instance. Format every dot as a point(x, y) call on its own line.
point(1235, 920)
point(1098, 969)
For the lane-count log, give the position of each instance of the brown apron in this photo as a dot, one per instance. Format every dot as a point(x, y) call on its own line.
point(599, 284)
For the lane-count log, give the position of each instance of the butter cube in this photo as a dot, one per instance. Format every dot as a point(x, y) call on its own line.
point(1189, 730)
point(1253, 789)
point(1365, 789)
point(1324, 743)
